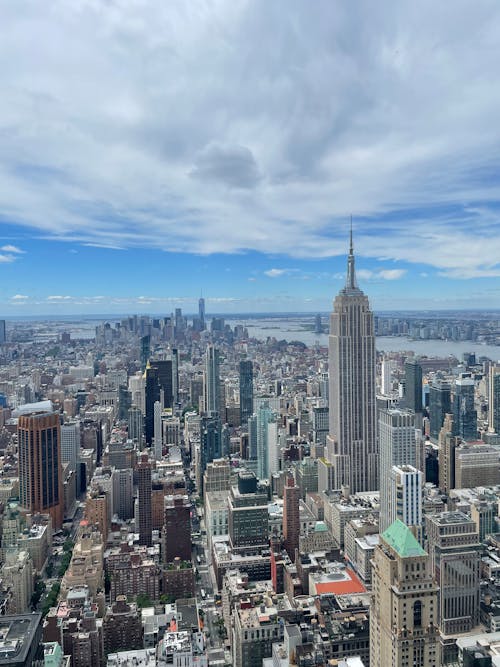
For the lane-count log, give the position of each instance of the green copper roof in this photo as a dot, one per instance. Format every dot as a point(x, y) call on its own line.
point(402, 540)
point(320, 527)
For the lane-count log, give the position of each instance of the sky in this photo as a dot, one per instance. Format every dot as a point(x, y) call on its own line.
point(152, 151)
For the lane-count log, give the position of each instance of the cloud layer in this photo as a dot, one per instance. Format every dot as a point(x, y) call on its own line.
point(233, 125)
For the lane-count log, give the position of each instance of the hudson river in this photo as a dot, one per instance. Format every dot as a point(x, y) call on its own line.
point(293, 329)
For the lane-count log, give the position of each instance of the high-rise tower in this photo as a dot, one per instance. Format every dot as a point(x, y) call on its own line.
point(398, 446)
point(352, 441)
point(144, 499)
point(246, 390)
point(212, 380)
point(40, 465)
point(201, 312)
point(291, 516)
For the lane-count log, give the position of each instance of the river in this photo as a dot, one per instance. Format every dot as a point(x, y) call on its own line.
point(291, 328)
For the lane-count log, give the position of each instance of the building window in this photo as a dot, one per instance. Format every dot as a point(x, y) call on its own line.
point(417, 614)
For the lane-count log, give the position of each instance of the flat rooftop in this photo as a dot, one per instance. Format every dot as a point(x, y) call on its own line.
point(16, 636)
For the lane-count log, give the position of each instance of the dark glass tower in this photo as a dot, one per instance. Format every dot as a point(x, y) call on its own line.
point(144, 497)
point(413, 392)
point(464, 414)
point(160, 384)
point(439, 405)
point(246, 391)
point(201, 313)
point(211, 442)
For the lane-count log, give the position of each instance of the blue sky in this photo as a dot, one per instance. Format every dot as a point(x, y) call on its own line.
point(152, 150)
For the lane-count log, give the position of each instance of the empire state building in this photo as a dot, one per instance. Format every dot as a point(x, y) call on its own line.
point(352, 448)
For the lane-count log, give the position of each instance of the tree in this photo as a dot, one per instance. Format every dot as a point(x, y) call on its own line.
point(143, 600)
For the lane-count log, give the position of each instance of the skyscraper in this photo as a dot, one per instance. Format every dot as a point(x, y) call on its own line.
point(291, 516)
point(210, 443)
point(70, 443)
point(397, 447)
point(405, 497)
point(439, 405)
point(246, 391)
point(352, 441)
point(177, 529)
point(40, 465)
point(494, 399)
point(403, 614)
point(159, 376)
point(3, 337)
point(413, 391)
point(455, 553)
point(464, 414)
point(212, 380)
point(144, 501)
point(201, 313)
point(265, 418)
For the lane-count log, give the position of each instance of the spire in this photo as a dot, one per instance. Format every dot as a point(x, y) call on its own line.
point(350, 282)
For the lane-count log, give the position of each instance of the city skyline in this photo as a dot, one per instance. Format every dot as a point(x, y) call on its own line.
point(244, 188)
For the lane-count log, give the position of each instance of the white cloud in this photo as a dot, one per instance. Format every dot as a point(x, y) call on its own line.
point(7, 259)
point(12, 248)
point(59, 297)
point(19, 297)
point(382, 274)
point(209, 144)
point(391, 274)
point(275, 273)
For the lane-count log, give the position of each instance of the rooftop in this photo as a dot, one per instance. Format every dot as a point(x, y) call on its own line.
point(401, 539)
point(16, 636)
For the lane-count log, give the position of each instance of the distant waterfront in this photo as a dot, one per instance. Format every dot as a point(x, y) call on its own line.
point(293, 329)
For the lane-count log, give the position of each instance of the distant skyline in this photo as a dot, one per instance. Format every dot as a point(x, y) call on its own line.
point(151, 151)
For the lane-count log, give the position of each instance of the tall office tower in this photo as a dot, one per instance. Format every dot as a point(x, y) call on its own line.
point(405, 497)
point(70, 443)
point(464, 415)
point(212, 380)
point(252, 438)
point(320, 424)
point(179, 321)
point(158, 436)
point(246, 391)
point(248, 518)
point(494, 399)
point(145, 350)
point(174, 356)
point(352, 441)
point(265, 417)
point(136, 386)
point(144, 497)
point(447, 445)
point(122, 481)
point(135, 424)
point(398, 446)
point(454, 549)
point(439, 405)
point(386, 377)
point(40, 465)
point(210, 443)
point(177, 529)
point(159, 387)
point(413, 385)
point(3, 336)
point(291, 516)
point(403, 613)
point(201, 313)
